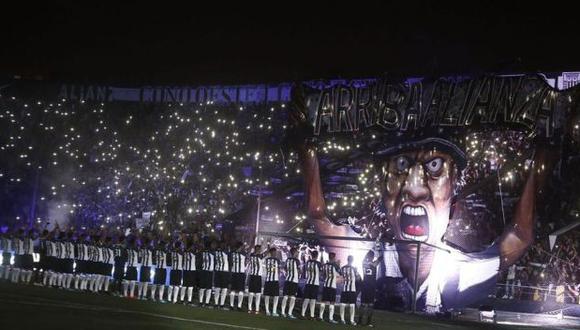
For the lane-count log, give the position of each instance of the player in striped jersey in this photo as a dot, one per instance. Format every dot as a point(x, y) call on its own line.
point(131, 273)
point(49, 260)
point(26, 259)
point(238, 270)
point(6, 247)
point(189, 272)
point(160, 257)
point(369, 287)
point(108, 264)
point(58, 249)
point(18, 245)
point(312, 270)
point(51, 246)
point(95, 264)
point(348, 295)
point(79, 269)
point(176, 274)
point(222, 275)
point(331, 271)
point(68, 256)
point(206, 273)
point(89, 264)
point(254, 266)
point(83, 257)
point(292, 267)
point(120, 260)
point(146, 261)
point(272, 286)
point(62, 262)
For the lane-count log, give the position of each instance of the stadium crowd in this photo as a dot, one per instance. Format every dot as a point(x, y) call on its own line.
point(545, 274)
point(108, 164)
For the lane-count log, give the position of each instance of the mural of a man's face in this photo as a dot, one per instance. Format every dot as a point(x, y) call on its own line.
point(417, 193)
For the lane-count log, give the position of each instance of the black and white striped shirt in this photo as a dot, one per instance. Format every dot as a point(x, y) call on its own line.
point(96, 253)
point(221, 261)
point(146, 257)
point(292, 270)
point(255, 264)
point(272, 269)
point(50, 249)
point(68, 250)
point(160, 259)
point(91, 251)
point(28, 245)
point(349, 275)
point(312, 272)
point(189, 261)
point(58, 248)
point(132, 257)
point(108, 255)
point(18, 246)
point(176, 260)
point(238, 262)
point(331, 273)
point(82, 251)
point(207, 261)
point(23, 246)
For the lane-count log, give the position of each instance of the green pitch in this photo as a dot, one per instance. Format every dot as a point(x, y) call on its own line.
point(31, 307)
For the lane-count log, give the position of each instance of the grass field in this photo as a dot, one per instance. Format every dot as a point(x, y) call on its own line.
point(31, 307)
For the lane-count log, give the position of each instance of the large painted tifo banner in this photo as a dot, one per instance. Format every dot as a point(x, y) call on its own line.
point(444, 163)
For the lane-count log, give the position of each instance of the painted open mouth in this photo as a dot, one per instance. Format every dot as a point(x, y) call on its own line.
point(414, 223)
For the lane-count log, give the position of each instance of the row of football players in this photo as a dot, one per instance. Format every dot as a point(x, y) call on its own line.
point(61, 257)
point(215, 270)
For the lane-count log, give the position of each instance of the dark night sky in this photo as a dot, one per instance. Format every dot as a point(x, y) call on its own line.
point(169, 43)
